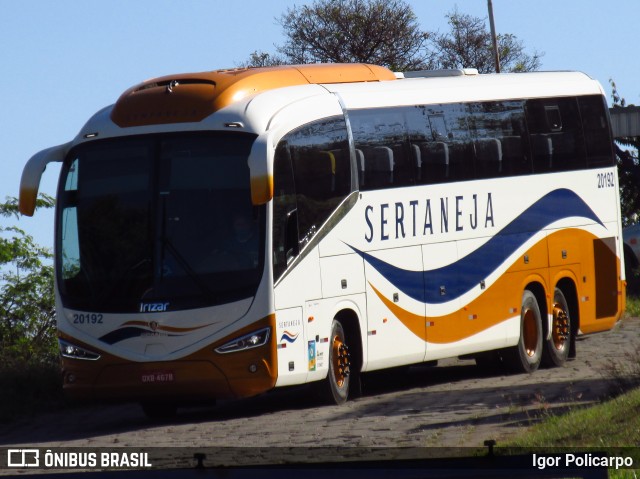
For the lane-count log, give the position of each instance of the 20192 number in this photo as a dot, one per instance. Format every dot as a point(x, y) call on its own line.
point(87, 318)
point(606, 180)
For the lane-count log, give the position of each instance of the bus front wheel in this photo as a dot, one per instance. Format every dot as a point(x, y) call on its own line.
point(337, 382)
point(526, 356)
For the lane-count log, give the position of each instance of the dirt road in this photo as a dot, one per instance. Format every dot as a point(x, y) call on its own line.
point(454, 404)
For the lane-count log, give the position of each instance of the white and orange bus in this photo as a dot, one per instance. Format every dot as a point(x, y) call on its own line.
point(220, 234)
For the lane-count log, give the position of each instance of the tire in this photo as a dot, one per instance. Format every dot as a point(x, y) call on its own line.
point(336, 385)
point(556, 349)
point(527, 355)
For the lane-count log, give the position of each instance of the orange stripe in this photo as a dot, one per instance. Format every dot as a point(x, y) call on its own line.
point(497, 303)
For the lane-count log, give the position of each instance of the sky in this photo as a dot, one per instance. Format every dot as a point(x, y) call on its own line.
point(63, 60)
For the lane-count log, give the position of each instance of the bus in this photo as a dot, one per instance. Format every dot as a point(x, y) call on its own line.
point(224, 233)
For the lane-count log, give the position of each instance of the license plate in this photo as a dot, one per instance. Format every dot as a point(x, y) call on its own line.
point(157, 377)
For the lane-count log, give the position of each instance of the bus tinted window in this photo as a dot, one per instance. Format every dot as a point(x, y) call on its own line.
point(557, 141)
point(500, 139)
point(596, 130)
point(380, 139)
point(285, 219)
point(202, 246)
point(318, 157)
point(427, 144)
point(427, 135)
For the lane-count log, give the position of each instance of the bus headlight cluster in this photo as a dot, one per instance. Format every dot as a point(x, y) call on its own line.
point(72, 351)
point(248, 341)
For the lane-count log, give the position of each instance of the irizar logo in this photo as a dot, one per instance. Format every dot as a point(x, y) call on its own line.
point(153, 307)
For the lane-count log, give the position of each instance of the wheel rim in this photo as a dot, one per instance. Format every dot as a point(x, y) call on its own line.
point(560, 332)
point(530, 333)
point(340, 359)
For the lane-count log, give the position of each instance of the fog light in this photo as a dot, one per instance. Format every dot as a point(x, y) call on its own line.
point(253, 368)
point(71, 378)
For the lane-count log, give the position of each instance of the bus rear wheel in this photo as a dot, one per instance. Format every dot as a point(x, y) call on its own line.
point(556, 348)
point(337, 382)
point(527, 355)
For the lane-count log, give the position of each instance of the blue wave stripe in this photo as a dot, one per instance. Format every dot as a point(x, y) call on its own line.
point(461, 276)
point(121, 334)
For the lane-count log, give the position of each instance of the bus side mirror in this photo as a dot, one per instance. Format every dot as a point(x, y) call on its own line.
point(30, 182)
point(261, 170)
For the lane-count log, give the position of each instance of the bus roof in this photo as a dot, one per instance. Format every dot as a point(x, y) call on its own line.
point(193, 97)
point(190, 98)
point(467, 88)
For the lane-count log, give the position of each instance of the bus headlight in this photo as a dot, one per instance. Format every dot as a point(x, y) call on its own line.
point(72, 351)
point(248, 341)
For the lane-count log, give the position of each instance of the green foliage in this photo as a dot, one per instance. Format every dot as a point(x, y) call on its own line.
point(27, 305)
point(628, 167)
point(633, 307)
point(30, 389)
point(613, 423)
point(29, 365)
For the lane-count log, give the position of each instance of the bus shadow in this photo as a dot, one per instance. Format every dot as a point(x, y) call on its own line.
point(416, 391)
point(486, 401)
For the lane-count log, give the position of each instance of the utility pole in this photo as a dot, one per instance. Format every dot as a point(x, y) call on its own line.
point(494, 38)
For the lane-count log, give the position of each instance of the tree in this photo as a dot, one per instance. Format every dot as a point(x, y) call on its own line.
point(27, 306)
point(628, 168)
point(387, 33)
point(382, 32)
point(468, 45)
point(263, 59)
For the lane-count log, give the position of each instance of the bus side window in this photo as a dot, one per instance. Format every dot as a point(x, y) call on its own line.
point(380, 135)
point(435, 162)
point(596, 130)
point(489, 157)
point(321, 167)
point(556, 133)
point(427, 135)
point(499, 128)
point(285, 218)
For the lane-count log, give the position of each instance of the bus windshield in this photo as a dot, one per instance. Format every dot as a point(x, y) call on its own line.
point(162, 221)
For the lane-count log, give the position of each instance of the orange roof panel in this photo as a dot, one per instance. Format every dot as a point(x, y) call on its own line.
point(193, 97)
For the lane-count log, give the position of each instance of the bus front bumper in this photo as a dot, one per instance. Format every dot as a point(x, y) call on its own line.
point(204, 375)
